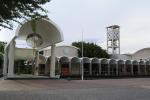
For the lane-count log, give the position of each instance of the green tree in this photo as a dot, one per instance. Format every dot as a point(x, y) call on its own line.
point(90, 50)
point(2, 46)
point(12, 10)
point(1, 63)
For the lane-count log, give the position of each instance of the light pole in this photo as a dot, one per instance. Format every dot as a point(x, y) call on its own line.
point(82, 76)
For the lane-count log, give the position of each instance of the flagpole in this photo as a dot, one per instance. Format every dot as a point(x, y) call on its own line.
point(82, 76)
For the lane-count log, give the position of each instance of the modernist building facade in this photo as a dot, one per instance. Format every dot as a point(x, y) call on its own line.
point(67, 63)
point(64, 60)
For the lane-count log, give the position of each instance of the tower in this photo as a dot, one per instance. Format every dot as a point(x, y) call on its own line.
point(113, 40)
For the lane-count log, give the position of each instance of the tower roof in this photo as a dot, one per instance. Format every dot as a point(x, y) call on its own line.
point(113, 26)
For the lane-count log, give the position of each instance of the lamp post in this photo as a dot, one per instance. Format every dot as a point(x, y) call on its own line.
point(82, 76)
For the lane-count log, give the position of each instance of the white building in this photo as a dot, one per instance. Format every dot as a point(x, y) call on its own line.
point(46, 34)
point(143, 54)
point(68, 51)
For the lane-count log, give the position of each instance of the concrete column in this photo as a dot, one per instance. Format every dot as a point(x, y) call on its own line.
point(52, 65)
point(59, 67)
point(100, 71)
point(108, 69)
point(117, 73)
point(11, 53)
point(81, 68)
point(125, 70)
point(5, 62)
point(90, 69)
point(36, 71)
point(132, 69)
point(139, 72)
point(70, 72)
point(145, 73)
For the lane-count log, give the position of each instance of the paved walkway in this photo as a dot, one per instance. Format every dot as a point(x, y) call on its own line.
point(104, 89)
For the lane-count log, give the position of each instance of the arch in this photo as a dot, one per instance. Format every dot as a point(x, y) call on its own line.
point(142, 67)
point(129, 69)
point(47, 29)
point(86, 66)
point(75, 60)
point(42, 59)
point(104, 66)
point(112, 67)
point(75, 66)
point(63, 59)
point(121, 67)
point(95, 66)
point(64, 64)
point(135, 65)
point(41, 67)
point(147, 67)
point(47, 66)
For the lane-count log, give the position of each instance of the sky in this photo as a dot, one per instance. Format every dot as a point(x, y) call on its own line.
point(91, 17)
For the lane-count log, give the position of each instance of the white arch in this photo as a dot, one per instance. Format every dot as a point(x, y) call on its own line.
point(112, 61)
point(75, 66)
point(134, 62)
point(42, 59)
point(75, 60)
point(64, 59)
point(85, 60)
point(103, 61)
point(95, 60)
point(141, 62)
point(48, 30)
point(50, 34)
point(121, 67)
point(120, 62)
point(128, 62)
point(147, 62)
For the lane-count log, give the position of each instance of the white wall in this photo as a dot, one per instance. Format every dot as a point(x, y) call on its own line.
point(68, 51)
point(124, 57)
point(23, 53)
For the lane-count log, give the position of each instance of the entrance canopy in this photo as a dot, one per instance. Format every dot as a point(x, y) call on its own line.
point(47, 29)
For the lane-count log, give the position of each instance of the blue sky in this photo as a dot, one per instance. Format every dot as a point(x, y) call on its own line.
point(93, 16)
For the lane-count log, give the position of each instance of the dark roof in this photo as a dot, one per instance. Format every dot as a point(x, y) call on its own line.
point(113, 26)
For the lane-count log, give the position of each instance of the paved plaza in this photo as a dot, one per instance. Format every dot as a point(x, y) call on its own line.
point(103, 89)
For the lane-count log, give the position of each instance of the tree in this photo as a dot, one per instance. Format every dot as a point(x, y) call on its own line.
point(12, 10)
point(1, 63)
point(2, 46)
point(90, 50)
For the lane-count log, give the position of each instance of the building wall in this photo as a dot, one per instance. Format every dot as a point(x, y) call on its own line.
point(143, 54)
point(68, 51)
point(125, 57)
point(23, 53)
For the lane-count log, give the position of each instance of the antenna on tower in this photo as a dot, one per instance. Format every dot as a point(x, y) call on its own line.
point(113, 40)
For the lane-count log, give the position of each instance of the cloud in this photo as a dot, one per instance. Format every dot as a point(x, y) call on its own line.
point(93, 16)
